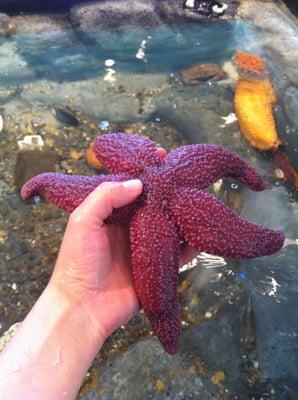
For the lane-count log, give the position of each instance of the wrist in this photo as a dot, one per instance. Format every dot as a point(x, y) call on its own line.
point(56, 342)
point(74, 312)
point(86, 309)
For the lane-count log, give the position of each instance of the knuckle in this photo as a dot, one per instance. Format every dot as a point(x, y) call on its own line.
point(106, 191)
point(76, 216)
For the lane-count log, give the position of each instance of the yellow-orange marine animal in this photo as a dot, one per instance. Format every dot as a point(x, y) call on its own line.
point(254, 99)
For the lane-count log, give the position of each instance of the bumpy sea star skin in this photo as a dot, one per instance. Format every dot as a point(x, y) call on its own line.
point(172, 210)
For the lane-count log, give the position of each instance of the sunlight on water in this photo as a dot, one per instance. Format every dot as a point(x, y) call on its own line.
point(59, 55)
point(204, 260)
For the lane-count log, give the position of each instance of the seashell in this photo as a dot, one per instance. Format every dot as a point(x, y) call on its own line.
point(65, 116)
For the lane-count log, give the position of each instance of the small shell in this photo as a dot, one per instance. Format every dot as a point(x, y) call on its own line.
point(279, 173)
point(65, 116)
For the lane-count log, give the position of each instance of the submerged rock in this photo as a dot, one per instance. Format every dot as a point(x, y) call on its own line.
point(33, 162)
point(40, 23)
point(7, 25)
point(273, 287)
point(202, 369)
point(114, 14)
point(197, 112)
point(291, 105)
point(198, 73)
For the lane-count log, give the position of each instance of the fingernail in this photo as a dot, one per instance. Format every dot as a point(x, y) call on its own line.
point(132, 185)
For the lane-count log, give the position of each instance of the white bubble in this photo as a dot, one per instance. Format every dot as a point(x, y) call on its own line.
point(109, 62)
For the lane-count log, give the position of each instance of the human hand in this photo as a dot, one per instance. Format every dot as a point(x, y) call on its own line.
point(93, 268)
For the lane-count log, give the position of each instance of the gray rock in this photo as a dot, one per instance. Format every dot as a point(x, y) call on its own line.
point(8, 26)
point(291, 105)
point(273, 286)
point(4, 23)
point(114, 14)
point(111, 14)
point(40, 23)
point(196, 112)
point(13, 66)
point(127, 99)
point(145, 371)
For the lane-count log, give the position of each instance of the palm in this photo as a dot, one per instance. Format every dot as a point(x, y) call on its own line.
point(93, 266)
point(98, 271)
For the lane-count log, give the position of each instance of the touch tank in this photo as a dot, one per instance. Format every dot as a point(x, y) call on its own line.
point(179, 72)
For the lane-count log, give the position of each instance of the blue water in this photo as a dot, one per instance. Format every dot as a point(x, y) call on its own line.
point(69, 55)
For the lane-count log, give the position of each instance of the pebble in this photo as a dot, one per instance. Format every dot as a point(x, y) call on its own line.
point(3, 236)
point(104, 125)
point(38, 122)
point(279, 173)
point(1, 123)
point(159, 385)
point(218, 377)
point(36, 200)
point(31, 142)
point(217, 186)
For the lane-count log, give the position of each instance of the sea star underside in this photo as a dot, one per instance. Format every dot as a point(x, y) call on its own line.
point(172, 210)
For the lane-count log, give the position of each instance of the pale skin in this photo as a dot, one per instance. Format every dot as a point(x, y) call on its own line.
point(90, 295)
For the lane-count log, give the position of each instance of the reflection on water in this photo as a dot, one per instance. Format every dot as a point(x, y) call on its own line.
point(66, 85)
point(66, 55)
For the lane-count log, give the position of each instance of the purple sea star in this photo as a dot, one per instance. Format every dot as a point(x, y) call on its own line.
point(173, 209)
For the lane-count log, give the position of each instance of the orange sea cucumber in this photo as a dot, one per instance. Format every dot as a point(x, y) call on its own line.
point(254, 99)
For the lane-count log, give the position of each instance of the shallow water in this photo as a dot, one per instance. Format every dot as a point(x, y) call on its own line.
point(67, 55)
point(248, 307)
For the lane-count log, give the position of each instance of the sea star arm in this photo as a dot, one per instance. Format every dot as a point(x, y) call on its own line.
point(120, 152)
point(155, 263)
point(68, 191)
point(200, 165)
point(208, 225)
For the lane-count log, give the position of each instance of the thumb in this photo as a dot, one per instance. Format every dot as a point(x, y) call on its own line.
point(100, 203)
